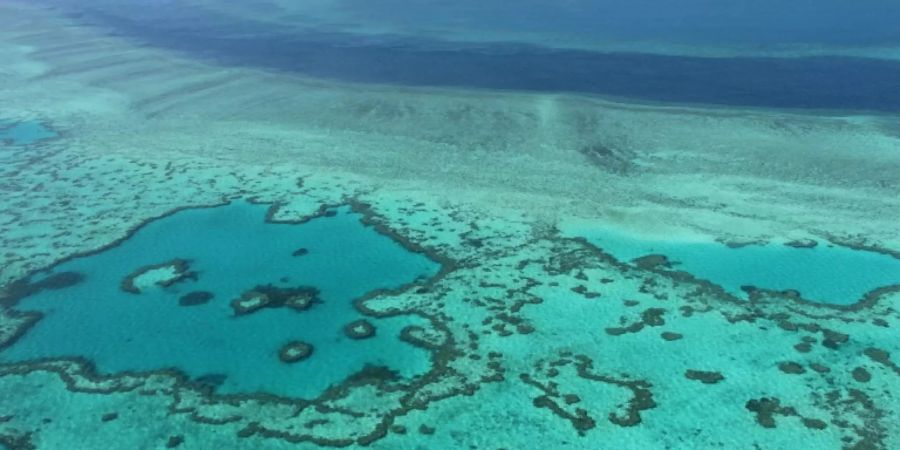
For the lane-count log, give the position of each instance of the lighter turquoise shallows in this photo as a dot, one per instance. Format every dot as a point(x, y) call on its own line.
point(233, 249)
point(825, 274)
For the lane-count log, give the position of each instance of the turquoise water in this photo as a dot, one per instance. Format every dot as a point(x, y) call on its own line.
point(825, 273)
point(468, 126)
point(24, 133)
point(233, 250)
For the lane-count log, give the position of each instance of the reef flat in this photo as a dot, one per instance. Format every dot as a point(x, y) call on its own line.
point(519, 331)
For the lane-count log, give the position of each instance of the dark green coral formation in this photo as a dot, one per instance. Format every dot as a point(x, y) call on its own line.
point(180, 271)
point(359, 329)
point(295, 351)
point(269, 296)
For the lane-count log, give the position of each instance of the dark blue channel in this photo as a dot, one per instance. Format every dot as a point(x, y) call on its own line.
point(825, 82)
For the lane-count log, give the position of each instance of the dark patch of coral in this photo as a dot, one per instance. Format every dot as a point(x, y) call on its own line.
point(791, 367)
point(652, 262)
point(802, 243)
point(295, 351)
point(652, 317)
point(563, 404)
point(671, 336)
point(269, 296)
point(195, 298)
point(22, 288)
point(703, 376)
point(359, 329)
point(175, 441)
point(182, 272)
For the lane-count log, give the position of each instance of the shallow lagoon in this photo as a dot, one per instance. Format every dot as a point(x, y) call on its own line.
point(826, 273)
point(233, 250)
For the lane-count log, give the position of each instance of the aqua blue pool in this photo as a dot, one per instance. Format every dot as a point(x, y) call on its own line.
point(825, 273)
point(232, 249)
point(24, 133)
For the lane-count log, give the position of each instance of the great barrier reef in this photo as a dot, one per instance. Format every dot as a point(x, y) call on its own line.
point(482, 225)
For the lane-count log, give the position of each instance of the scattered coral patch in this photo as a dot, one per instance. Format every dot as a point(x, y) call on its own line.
point(791, 368)
point(559, 394)
point(162, 274)
point(373, 374)
point(767, 408)
point(652, 262)
point(249, 302)
point(295, 351)
point(268, 296)
point(359, 329)
point(671, 336)
point(802, 243)
point(429, 338)
point(703, 376)
point(653, 317)
point(20, 289)
point(195, 298)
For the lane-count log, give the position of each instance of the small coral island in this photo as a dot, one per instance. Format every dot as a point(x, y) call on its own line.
point(359, 329)
point(163, 275)
point(299, 299)
point(295, 351)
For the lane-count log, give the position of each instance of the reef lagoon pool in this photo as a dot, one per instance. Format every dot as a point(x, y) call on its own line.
point(824, 273)
point(23, 133)
point(183, 293)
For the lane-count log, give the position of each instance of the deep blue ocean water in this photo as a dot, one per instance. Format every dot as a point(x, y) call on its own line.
point(233, 250)
point(411, 59)
point(827, 274)
point(757, 23)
